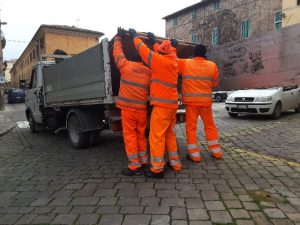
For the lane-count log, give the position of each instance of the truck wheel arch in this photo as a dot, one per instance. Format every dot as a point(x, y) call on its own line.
point(89, 120)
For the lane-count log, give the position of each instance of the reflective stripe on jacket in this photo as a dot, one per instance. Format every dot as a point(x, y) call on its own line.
point(134, 82)
point(199, 76)
point(163, 88)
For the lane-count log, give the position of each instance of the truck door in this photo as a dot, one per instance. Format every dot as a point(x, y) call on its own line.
point(32, 101)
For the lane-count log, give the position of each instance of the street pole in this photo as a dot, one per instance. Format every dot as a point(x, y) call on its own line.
point(2, 100)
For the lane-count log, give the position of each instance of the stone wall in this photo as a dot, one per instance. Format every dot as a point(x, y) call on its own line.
point(227, 18)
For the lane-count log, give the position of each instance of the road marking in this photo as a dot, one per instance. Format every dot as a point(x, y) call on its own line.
point(23, 124)
point(263, 156)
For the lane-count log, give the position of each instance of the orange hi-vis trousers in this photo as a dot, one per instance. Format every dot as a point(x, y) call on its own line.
point(162, 137)
point(211, 132)
point(134, 123)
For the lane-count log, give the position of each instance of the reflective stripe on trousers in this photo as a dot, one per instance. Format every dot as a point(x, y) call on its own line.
point(216, 150)
point(174, 160)
point(134, 164)
point(213, 142)
point(143, 157)
point(194, 152)
point(132, 156)
point(192, 146)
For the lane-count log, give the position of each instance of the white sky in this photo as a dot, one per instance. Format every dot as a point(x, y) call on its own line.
point(24, 17)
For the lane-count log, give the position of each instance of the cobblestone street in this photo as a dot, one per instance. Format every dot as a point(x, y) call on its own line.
point(44, 181)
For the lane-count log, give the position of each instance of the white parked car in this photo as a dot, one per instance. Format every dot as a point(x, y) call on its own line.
point(272, 101)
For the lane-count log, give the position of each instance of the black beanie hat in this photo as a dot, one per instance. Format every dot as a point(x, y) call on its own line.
point(200, 51)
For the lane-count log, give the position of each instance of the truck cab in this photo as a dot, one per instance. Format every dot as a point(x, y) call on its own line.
point(34, 99)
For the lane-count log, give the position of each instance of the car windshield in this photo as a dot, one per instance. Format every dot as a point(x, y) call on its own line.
point(17, 91)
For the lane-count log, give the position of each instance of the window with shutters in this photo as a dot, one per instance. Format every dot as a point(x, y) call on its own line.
point(175, 21)
point(215, 36)
point(278, 20)
point(194, 38)
point(216, 5)
point(245, 30)
point(194, 14)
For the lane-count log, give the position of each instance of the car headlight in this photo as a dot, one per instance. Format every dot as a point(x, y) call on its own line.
point(263, 99)
point(230, 99)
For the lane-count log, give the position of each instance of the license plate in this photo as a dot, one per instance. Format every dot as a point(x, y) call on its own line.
point(242, 106)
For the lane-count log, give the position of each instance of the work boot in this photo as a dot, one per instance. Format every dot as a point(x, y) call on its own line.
point(145, 166)
point(150, 174)
point(189, 158)
point(129, 172)
point(217, 155)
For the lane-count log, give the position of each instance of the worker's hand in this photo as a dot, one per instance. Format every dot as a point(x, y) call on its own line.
point(152, 38)
point(174, 42)
point(121, 32)
point(132, 32)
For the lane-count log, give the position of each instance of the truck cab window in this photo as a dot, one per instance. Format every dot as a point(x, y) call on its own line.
point(33, 79)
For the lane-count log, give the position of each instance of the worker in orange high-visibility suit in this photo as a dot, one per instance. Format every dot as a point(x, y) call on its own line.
point(199, 76)
point(164, 99)
point(132, 100)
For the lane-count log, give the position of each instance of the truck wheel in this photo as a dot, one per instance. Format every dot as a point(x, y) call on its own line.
point(218, 98)
point(233, 115)
point(297, 110)
point(32, 123)
point(277, 111)
point(77, 138)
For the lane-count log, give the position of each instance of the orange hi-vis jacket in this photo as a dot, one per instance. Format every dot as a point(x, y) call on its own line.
point(199, 76)
point(163, 88)
point(135, 80)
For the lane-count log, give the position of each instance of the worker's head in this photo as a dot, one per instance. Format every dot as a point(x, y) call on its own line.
point(200, 51)
point(165, 48)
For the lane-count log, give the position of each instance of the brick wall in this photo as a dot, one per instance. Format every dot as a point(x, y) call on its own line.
point(227, 18)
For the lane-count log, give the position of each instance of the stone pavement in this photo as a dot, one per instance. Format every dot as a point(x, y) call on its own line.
point(6, 124)
point(44, 181)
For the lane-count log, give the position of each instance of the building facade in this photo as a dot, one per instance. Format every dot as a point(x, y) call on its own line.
point(216, 22)
point(290, 12)
point(8, 65)
point(46, 40)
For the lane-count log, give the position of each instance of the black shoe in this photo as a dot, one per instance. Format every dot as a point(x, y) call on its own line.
point(145, 166)
point(129, 172)
point(150, 174)
point(189, 158)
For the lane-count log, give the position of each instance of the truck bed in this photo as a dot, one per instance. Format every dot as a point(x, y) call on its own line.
point(92, 77)
point(76, 80)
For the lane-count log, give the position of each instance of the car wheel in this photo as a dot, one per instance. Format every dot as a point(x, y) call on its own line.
point(297, 110)
point(218, 98)
point(233, 115)
point(277, 111)
point(77, 138)
point(32, 123)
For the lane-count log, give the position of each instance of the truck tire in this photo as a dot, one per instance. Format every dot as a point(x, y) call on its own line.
point(218, 98)
point(32, 123)
point(277, 111)
point(77, 138)
point(233, 115)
